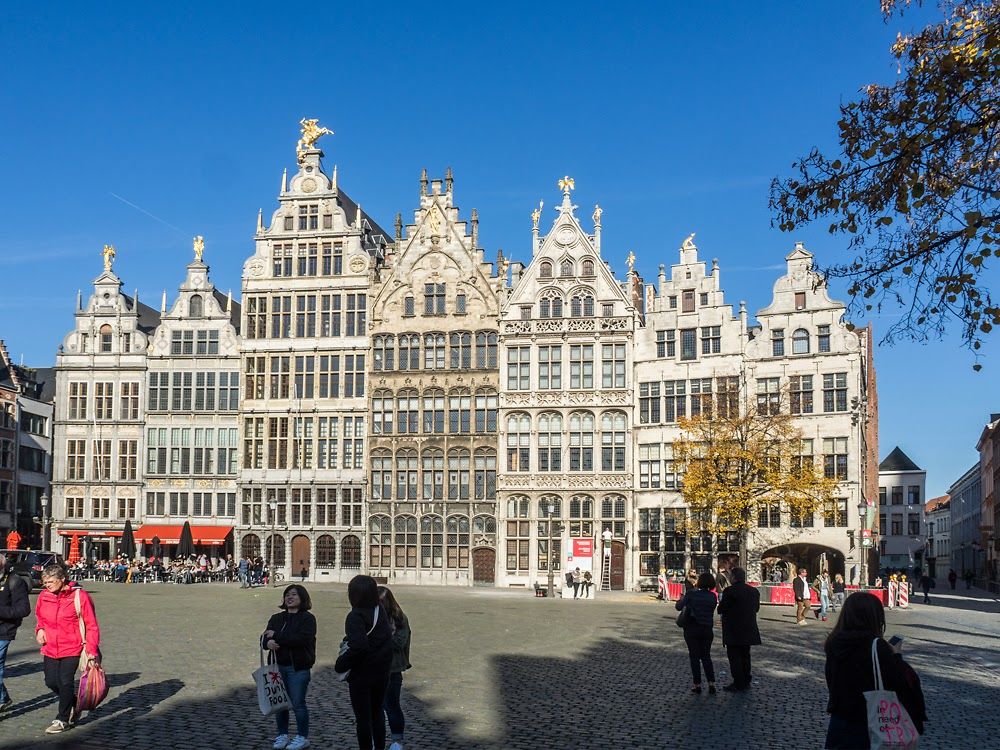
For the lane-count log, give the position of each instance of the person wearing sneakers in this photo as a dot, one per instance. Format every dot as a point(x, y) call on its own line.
point(61, 606)
point(291, 635)
point(803, 593)
point(14, 607)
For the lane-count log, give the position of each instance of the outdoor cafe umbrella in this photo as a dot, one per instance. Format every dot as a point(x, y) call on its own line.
point(186, 546)
point(155, 541)
point(127, 545)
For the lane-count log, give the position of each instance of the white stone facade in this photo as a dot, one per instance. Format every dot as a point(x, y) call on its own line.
point(902, 491)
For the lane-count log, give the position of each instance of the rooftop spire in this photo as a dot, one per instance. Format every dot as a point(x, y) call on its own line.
point(423, 181)
point(399, 227)
point(79, 299)
point(333, 180)
point(284, 180)
point(229, 303)
point(475, 229)
point(260, 221)
point(163, 303)
point(449, 180)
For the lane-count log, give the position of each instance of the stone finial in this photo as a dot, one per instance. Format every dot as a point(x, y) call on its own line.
point(475, 228)
point(163, 303)
point(423, 181)
point(284, 180)
point(449, 180)
point(360, 220)
point(333, 180)
point(260, 221)
point(79, 299)
point(229, 303)
point(399, 227)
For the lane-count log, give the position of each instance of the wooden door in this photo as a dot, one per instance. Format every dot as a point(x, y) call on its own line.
point(300, 555)
point(484, 561)
point(617, 566)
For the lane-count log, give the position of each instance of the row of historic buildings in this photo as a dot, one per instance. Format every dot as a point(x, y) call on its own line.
point(399, 404)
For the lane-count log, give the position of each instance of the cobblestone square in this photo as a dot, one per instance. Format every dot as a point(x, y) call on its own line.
point(493, 669)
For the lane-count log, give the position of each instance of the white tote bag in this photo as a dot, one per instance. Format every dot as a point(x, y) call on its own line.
point(344, 648)
point(889, 725)
point(271, 694)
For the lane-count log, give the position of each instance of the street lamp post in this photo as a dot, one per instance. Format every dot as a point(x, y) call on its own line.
point(863, 519)
point(552, 573)
point(273, 507)
point(46, 520)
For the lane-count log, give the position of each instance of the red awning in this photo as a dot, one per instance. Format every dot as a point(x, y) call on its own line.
point(89, 532)
point(171, 534)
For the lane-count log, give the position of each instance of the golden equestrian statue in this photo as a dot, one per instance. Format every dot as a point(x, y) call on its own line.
point(109, 256)
point(311, 132)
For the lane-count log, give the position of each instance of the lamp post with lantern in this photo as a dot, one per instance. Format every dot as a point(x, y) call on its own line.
point(552, 573)
point(272, 506)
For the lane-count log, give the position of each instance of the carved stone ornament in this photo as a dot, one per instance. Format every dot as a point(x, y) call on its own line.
point(358, 264)
point(565, 236)
point(255, 268)
point(308, 185)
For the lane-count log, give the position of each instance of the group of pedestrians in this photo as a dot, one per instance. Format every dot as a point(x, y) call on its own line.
point(854, 649)
point(373, 655)
point(66, 630)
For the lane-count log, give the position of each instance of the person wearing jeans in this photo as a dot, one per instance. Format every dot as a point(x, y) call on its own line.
point(14, 607)
point(822, 586)
point(700, 608)
point(400, 663)
point(291, 635)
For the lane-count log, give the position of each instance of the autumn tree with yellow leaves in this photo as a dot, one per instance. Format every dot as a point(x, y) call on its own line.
point(916, 186)
point(738, 464)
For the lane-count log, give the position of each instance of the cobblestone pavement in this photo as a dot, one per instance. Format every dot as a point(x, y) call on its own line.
point(494, 670)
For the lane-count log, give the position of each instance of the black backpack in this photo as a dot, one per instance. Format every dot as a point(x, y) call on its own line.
point(569, 578)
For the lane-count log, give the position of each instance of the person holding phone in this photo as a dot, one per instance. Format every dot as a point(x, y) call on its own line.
point(849, 673)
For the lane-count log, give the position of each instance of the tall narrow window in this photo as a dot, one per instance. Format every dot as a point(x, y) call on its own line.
point(800, 341)
point(196, 306)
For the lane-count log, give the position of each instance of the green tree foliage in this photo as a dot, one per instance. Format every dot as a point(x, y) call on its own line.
point(916, 185)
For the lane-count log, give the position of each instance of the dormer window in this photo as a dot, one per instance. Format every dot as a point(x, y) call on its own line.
point(566, 268)
point(800, 300)
point(106, 336)
point(309, 217)
point(545, 270)
point(196, 307)
point(588, 268)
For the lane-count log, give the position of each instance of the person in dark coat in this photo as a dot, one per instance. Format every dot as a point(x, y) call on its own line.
point(291, 635)
point(368, 656)
point(14, 607)
point(738, 607)
point(952, 578)
point(925, 586)
point(700, 606)
point(850, 673)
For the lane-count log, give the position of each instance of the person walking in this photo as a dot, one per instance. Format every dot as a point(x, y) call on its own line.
point(291, 635)
point(700, 607)
point(925, 586)
point(967, 576)
point(400, 663)
point(952, 578)
point(14, 607)
point(369, 658)
point(59, 610)
point(839, 592)
point(577, 580)
point(822, 586)
point(850, 673)
point(803, 594)
point(738, 608)
point(244, 567)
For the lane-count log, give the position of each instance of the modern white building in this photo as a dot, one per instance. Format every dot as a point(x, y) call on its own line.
point(901, 490)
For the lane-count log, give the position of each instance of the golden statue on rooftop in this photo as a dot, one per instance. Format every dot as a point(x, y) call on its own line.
point(109, 256)
point(311, 132)
point(537, 214)
point(199, 247)
point(566, 184)
point(630, 261)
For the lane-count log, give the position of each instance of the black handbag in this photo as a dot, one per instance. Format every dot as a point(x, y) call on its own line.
point(683, 617)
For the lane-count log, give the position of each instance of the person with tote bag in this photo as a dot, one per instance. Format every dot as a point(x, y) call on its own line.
point(861, 667)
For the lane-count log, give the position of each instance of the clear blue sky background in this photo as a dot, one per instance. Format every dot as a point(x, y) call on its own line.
point(143, 126)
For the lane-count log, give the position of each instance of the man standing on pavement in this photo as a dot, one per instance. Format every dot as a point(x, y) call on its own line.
point(800, 587)
point(14, 607)
point(925, 586)
point(952, 578)
point(738, 607)
point(244, 567)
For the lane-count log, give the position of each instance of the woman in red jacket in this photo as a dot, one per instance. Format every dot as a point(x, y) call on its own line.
point(58, 633)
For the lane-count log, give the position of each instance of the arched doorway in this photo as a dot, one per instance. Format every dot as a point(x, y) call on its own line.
point(300, 555)
point(484, 561)
point(784, 560)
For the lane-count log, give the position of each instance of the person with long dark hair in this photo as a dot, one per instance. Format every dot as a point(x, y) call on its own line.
point(368, 634)
point(291, 635)
point(400, 663)
point(700, 607)
point(850, 673)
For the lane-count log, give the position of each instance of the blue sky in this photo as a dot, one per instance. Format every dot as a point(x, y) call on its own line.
point(142, 127)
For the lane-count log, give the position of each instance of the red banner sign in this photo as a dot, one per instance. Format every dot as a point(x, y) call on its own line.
point(583, 548)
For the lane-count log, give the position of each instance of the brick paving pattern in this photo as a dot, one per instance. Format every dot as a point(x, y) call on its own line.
point(492, 670)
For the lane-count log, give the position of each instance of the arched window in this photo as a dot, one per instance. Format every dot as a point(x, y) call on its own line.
point(613, 441)
point(566, 268)
point(384, 350)
point(518, 442)
point(588, 268)
point(409, 351)
point(458, 542)
point(405, 529)
point(581, 511)
point(279, 551)
point(588, 306)
point(382, 402)
point(581, 441)
point(431, 542)
point(381, 475)
point(486, 349)
point(459, 474)
point(460, 350)
point(486, 411)
point(550, 501)
point(800, 341)
point(433, 419)
point(432, 466)
point(326, 551)
point(485, 474)
point(545, 270)
point(460, 413)
point(350, 553)
point(434, 351)
point(380, 542)
point(517, 507)
point(485, 528)
point(550, 442)
point(544, 308)
point(196, 306)
point(106, 335)
point(406, 475)
point(250, 545)
point(407, 411)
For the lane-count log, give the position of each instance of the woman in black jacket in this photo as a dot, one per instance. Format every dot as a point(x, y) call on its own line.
point(850, 673)
point(291, 635)
point(369, 658)
point(700, 607)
